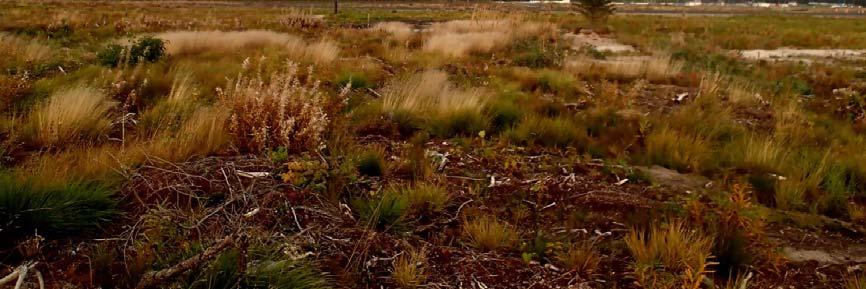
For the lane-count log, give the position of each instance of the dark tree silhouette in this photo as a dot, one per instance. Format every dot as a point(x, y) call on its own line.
point(596, 11)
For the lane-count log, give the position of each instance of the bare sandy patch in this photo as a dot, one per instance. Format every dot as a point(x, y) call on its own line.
point(795, 54)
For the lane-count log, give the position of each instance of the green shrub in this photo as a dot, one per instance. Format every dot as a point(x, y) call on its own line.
point(279, 155)
point(146, 49)
point(112, 55)
point(51, 210)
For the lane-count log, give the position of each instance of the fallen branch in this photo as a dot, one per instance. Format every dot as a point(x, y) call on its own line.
point(152, 279)
point(21, 273)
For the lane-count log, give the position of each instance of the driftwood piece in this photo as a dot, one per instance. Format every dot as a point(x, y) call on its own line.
point(152, 279)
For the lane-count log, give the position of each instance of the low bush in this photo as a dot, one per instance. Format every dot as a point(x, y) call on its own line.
point(276, 110)
point(145, 49)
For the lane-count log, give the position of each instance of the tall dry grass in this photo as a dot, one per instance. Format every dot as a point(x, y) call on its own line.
point(203, 133)
point(17, 49)
point(192, 42)
point(459, 38)
point(276, 110)
point(652, 68)
point(69, 115)
point(430, 92)
point(169, 113)
point(678, 249)
point(398, 30)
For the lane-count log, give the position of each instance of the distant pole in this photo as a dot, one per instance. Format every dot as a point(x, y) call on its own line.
point(336, 6)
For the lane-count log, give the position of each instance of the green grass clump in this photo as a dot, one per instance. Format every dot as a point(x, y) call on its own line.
point(385, 211)
point(371, 163)
point(504, 115)
point(356, 80)
point(554, 132)
point(224, 273)
point(427, 197)
point(51, 210)
point(677, 150)
point(465, 122)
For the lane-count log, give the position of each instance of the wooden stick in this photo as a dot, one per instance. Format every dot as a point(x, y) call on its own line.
point(152, 279)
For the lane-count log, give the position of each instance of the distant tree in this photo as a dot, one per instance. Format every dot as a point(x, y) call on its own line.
point(596, 11)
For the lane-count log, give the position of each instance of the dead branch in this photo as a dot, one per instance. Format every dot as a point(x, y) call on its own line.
point(152, 279)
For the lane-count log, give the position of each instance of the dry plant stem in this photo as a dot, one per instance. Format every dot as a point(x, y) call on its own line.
point(21, 273)
point(152, 279)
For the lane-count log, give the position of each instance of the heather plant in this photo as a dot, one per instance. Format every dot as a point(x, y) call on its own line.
point(275, 110)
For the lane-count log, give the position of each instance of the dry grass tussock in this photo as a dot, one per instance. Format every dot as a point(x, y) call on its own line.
point(276, 110)
point(301, 18)
point(652, 68)
point(459, 38)
point(488, 233)
point(68, 115)
point(399, 31)
point(429, 92)
point(409, 268)
point(191, 42)
point(203, 133)
point(673, 249)
point(15, 47)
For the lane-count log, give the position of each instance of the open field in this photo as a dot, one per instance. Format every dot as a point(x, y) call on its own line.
point(429, 145)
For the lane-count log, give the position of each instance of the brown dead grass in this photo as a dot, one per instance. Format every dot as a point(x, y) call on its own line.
point(652, 68)
point(276, 110)
point(192, 42)
point(398, 30)
point(430, 92)
point(70, 114)
point(460, 38)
